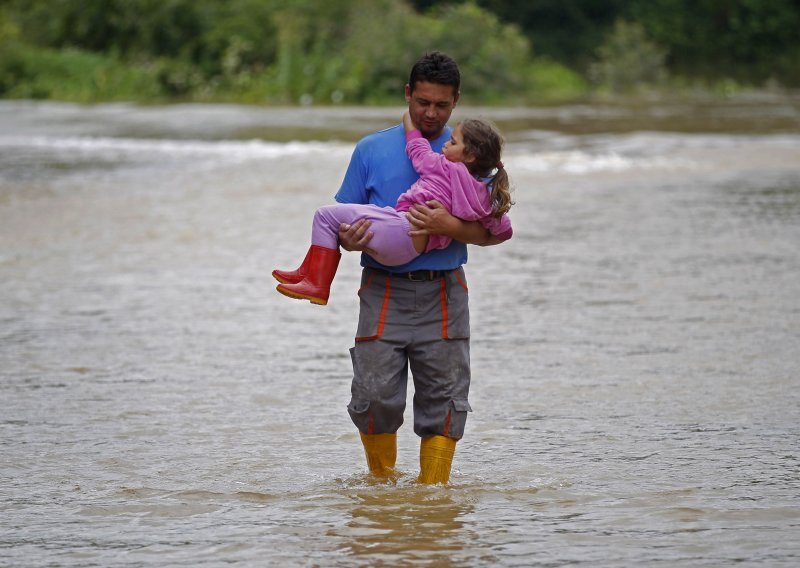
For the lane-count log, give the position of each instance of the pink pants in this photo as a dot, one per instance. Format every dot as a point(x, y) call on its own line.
point(390, 239)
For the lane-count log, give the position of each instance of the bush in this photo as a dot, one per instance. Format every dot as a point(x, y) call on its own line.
point(628, 60)
point(549, 80)
point(70, 74)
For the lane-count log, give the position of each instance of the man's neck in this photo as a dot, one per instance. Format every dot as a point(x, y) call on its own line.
point(434, 137)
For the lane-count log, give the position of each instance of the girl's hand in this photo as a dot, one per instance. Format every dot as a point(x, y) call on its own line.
point(355, 237)
point(407, 123)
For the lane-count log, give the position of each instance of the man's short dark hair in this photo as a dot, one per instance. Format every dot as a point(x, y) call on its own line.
point(435, 67)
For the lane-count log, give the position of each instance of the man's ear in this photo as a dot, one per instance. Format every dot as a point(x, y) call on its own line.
point(408, 93)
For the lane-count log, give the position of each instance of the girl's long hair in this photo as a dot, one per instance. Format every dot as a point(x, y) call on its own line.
point(484, 142)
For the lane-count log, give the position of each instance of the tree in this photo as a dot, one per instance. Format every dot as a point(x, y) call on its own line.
point(627, 60)
point(750, 40)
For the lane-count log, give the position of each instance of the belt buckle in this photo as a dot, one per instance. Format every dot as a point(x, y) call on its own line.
point(421, 273)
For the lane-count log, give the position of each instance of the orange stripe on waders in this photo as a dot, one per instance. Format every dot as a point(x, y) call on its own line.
point(367, 285)
point(382, 317)
point(447, 423)
point(460, 280)
point(443, 302)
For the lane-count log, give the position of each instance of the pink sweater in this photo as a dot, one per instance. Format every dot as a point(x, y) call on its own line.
point(451, 184)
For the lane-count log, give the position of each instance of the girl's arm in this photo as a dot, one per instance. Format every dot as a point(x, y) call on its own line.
point(418, 149)
point(407, 124)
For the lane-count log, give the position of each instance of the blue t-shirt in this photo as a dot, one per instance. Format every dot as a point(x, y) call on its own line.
point(378, 173)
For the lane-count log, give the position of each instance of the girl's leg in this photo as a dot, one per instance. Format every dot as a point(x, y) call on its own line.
point(325, 227)
point(390, 244)
point(325, 234)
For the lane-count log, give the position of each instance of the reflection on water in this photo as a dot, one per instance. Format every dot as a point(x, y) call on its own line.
point(401, 525)
point(634, 346)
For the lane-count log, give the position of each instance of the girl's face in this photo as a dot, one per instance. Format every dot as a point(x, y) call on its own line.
point(453, 149)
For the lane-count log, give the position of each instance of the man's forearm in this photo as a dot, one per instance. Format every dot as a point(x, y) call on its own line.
point(433, 219)
point(472, 233)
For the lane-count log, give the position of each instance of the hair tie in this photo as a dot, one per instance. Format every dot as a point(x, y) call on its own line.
point(500, 165)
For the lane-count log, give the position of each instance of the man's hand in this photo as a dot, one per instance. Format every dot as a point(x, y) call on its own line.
point(356, 236)
point(433, 219)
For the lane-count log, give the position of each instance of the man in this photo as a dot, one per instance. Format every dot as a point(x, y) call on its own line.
point(414, 315)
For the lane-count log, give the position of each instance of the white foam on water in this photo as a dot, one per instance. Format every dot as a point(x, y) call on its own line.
point(645, 151)
point(107, 147)
point(580, 162)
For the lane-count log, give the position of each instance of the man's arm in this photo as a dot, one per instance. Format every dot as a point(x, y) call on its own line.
point(434, 219)
point(356, 237)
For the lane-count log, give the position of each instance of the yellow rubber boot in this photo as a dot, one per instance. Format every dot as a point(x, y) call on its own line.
point(435, 459)
point(381, 451)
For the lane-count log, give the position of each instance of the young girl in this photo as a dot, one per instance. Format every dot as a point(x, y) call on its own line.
point(460, 178)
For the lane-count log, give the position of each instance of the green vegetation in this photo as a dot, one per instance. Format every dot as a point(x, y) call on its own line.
point(359, 51)
point(627, 60)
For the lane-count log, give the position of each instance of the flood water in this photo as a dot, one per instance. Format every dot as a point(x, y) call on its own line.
point(635, 346)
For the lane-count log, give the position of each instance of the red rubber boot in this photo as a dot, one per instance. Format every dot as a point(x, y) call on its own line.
point(293, 276)
point(316, 285)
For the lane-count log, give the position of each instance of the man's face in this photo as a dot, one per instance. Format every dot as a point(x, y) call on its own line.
point(430, 106)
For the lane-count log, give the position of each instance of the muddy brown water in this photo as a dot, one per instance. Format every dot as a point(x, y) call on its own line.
point(635, 346)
